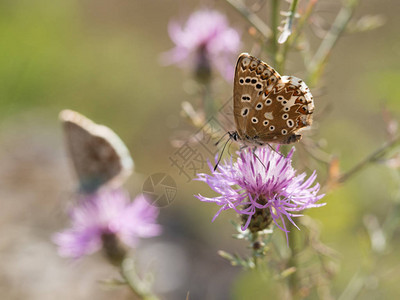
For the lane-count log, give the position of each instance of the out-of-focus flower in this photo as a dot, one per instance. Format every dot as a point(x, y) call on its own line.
point(204, 42)
point(105, 219)
point(261, 187)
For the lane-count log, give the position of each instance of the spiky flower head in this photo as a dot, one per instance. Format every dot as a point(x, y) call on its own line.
point(262, 187)
point(205, 41)
point(105, 219)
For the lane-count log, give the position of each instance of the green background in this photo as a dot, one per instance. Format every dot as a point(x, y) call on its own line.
point(102, 58)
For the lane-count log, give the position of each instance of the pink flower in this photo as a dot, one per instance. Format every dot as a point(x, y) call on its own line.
point(106, 213)
point(206, 40)
point(261, 185)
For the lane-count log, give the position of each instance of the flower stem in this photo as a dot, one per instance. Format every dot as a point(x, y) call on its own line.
point(208, 100)
point(255, 255)
point(136, 285)
point(369, 159)
point(292, 263)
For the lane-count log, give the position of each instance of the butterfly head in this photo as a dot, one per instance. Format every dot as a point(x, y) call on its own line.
point(233, 135)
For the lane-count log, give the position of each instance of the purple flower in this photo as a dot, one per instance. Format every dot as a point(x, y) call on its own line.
point(261, 188)
point(108, 213)
point(205, 41)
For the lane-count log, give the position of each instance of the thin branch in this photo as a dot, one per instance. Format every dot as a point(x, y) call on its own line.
point(136, 285)
point(296, 32)
point(373, 157)
point(321, 56)
point(252, 18)
point(287, 30)
point(274, 38)
point(353, 288)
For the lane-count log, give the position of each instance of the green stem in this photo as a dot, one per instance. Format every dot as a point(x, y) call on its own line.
point(320, 58)
point(255, 256)
point(293, 263)
point(296, 32)
point(373, 157)
point(136, 285)
point(252, 18)
point(274, 25)
point(292, 11)
point(208, 101)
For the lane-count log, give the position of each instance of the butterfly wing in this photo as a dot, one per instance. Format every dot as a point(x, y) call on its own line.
point(99, 156)
point(253, 79)
point(269, 108)
point(290, 110)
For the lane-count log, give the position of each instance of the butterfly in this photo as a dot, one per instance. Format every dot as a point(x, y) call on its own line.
point(99, 156)
point(268, 107)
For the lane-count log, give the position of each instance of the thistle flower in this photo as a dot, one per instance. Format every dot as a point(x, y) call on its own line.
point(205, 41)
point(261, 187)
point(104, 220)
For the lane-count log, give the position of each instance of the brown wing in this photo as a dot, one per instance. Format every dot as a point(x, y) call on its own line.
point(269, 108)
point(253, 78)
point(98, 154)
point(290, 109)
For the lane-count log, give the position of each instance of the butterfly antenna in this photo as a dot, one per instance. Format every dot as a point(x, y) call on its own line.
point(216, 144)
point(223, 149)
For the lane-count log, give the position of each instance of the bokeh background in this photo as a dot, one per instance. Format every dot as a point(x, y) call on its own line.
point(101, 58)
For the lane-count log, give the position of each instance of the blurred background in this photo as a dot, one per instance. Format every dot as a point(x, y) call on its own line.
point(102, 59)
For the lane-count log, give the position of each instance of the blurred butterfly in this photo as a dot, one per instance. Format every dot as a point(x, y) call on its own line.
point(268, 107)
point(99, 156)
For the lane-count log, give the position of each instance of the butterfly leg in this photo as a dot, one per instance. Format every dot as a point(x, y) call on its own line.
point(256, 156)
point(231, 136)
point(273, 149)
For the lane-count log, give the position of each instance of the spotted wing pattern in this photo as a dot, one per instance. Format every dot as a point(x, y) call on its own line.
point(269, 108)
